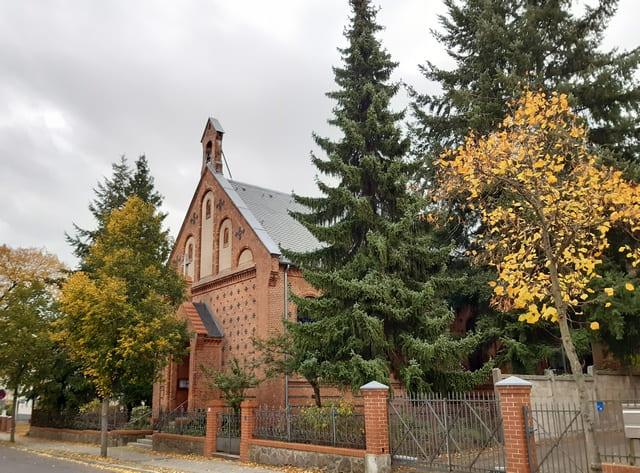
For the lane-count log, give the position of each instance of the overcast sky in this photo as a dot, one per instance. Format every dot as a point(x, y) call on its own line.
point(84, 82)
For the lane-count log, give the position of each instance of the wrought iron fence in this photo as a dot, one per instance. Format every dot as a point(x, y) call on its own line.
point(228, 424)
point(460, 432)
point(228, 431)
point(182, 422)
point(335, 426)
point(117, 417)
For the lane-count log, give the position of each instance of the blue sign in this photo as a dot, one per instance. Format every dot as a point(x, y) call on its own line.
point(600, 406)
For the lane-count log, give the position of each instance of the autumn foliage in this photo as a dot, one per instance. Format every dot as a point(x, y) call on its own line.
point(544, 210)
point(544, 204)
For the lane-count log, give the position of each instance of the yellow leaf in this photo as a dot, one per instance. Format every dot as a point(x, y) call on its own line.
point(629, 287)
point(607, 305)
point(594, 326)
point(609, 291)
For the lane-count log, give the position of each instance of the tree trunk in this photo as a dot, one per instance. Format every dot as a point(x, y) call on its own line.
point(12, 435)
point(316, 394)
point(567, 342)
point(585, 403)
point(104, 427)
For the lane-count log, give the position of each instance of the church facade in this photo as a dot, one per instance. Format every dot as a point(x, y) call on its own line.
point(229, 249)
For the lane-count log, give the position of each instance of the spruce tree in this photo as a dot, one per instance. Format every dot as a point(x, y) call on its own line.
point(111, 195)
point(498, 44)
point(383, 308)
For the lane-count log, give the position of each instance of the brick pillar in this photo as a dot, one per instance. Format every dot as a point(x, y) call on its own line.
point(214, 408)
point(247, 421)
point(377, 458)
point(514, 394)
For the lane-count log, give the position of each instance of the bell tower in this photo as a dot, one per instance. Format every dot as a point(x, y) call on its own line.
point(212, 145)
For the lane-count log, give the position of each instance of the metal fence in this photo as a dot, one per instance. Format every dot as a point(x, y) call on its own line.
point(182, 422)
point(331, 425)
point(117, 417)
point(228, 431)
point(609, 430)
point(462, 432)
point(556, 436)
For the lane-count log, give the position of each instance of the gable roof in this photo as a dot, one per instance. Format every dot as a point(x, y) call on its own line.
point(215, 124)
point(267, 212)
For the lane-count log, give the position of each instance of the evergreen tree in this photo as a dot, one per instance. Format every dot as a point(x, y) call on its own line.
point(381, 274)
point(111, 195)
point(498, 44)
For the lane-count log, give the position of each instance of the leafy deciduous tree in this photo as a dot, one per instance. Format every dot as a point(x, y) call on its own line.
point(27, 309)
point(547, 209)
point(120, 319)
point(233, 382)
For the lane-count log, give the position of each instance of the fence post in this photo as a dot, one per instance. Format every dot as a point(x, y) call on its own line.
point(514, 394)
point(377, 458)
point(214, 408)
point(247, 421)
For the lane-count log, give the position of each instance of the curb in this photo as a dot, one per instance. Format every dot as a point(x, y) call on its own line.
point(71, 456)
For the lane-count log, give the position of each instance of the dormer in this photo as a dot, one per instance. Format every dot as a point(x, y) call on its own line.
point(212, 145)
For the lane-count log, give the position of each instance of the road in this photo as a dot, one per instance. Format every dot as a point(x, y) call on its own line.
point(13, 460)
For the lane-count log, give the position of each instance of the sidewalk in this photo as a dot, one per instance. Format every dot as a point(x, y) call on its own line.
point(135, 459)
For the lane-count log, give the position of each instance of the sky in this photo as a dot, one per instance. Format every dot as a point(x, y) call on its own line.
point(83, 83)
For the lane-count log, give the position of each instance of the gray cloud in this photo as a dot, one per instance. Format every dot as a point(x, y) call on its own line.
point(83, 83)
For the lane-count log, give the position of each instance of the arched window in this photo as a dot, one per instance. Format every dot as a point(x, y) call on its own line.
point(224, 246)
point(246, 257)
point(207, 152)
point(206, 236)
point(188, 263)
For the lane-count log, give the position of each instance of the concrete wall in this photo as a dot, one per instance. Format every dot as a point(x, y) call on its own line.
point(559, 389)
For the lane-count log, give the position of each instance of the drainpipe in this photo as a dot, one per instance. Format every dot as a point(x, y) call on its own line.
point(286, 316)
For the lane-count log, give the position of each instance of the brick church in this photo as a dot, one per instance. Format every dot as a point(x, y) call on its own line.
point(228, 248)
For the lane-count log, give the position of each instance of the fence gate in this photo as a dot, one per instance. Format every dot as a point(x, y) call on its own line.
point(228, 431)
point(462, 433)
point(555, 439)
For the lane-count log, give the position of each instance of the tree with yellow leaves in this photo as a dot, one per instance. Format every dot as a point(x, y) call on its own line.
point(28, 284)
point(545, 210)
point(120, 322)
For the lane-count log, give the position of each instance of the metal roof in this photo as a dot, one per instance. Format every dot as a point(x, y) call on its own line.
point(215, 124)
point(208, 320)
point(267, 211)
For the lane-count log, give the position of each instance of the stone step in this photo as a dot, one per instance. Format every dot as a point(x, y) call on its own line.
point(146, 443)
